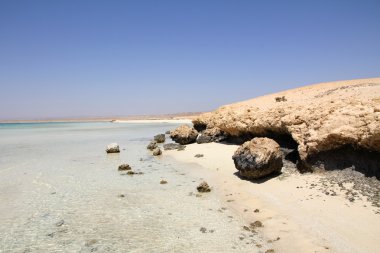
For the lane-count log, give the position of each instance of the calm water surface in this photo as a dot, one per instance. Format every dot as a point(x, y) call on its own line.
point(60, 192)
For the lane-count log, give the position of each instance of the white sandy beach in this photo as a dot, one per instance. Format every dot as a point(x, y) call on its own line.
point(146, 121)
point(297, 215)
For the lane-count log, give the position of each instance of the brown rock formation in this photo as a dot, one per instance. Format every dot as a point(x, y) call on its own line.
point(325, 117)
point(184, 134)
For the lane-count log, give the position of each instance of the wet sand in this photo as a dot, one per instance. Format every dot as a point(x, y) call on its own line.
point(324, 212)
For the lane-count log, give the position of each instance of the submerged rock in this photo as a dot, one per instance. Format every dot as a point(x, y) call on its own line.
point(172, 146)
point(159, 138)
point(258, 158)
point(184, 134)
point(124, 166)
point(157, 152)
point(152, 145)
point(203, 187)
point(113, 148)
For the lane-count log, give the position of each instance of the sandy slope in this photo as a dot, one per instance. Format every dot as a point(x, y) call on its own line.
point(291, 207)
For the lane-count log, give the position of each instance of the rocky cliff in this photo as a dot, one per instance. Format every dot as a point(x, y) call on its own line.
point(333, 125)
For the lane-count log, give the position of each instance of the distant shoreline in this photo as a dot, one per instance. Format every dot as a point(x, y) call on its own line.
point(139, 118)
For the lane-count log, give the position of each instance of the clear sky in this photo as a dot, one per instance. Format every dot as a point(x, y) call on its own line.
point(105, 58)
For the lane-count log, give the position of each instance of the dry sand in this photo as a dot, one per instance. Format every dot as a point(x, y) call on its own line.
point(296, 213)
point(178, 121)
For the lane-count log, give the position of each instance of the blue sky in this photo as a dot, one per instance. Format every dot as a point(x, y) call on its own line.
point(107, 58)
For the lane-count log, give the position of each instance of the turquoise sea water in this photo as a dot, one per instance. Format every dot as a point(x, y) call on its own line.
point(60, 192)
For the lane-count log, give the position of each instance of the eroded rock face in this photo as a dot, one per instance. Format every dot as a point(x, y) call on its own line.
point(210, 135)
point(258, 158)
point(184, 135)
point(159, 138)
point(320, 118)
point(113, 148)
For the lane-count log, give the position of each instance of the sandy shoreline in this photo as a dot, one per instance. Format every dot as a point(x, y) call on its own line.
point(300, 213)
point(179, 121)
point(139, 118)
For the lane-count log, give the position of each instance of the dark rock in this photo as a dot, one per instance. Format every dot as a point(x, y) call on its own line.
point(167, 132)
point(159, 138)
point(280, 99)
point(203, 230)
point(203, 187)
point(211, 135)
point(163, 182)
point(172, 146)
point(256, 224)
point(152, 145)
point(124, 166)
point(184, 135)
point(113, 148)
point(131, 172)
point(258, 158)
point(157, 152)
point(198, 155)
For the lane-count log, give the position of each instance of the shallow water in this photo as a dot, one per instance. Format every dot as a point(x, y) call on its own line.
point(60, 192)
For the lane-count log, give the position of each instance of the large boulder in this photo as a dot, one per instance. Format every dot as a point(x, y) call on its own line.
point(113, 148)
point(258, 158)
point(184, 135)
point(159, 138)
point(210, 135)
